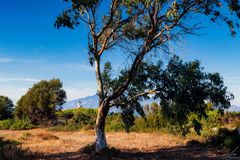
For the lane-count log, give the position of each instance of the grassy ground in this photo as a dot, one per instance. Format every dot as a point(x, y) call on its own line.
point(67, 145)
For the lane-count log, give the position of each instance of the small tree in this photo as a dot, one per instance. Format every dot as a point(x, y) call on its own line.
point(41, 101)
point(145, 25)
point(6, 107)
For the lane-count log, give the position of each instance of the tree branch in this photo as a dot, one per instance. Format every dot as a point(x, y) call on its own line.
point(133, 98)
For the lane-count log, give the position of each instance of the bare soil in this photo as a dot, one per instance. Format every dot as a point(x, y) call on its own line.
point(132, 146)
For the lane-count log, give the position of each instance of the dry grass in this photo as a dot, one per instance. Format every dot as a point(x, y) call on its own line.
point(63, 145)
point(54, 142)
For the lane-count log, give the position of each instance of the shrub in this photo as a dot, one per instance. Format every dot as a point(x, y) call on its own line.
point(6, 124)
point(84, 117)
point(23, 124)
point(75, 119)
point(211, 124)
point(140, 125)
point(114, 123)
point(65, 115)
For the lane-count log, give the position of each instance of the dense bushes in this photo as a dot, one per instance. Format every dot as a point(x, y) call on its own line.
point(22, 124)
point(75, 119)
point(84, 118)
point(6, 124)
point(114, 123)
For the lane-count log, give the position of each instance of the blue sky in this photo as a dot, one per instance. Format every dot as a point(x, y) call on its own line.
point(31, 49)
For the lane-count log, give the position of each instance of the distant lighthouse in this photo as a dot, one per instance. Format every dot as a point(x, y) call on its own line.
point(79, 104)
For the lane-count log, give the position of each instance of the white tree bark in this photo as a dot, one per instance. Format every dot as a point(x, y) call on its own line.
point(101, 141)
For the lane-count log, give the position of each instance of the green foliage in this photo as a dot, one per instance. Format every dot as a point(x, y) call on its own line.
point(23, 124)
point(64, 115)
point(6, 124)
point(6, 107)
point(81, 118)
point(184, 89)
point(40, 103)
point(114, 123)
point(212, 123)
point(84, 116)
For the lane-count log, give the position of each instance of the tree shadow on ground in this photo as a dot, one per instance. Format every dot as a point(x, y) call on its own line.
point(174, 153)
point(11, 150)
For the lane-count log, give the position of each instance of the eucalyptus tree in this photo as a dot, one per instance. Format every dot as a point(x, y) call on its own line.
point(146, 25)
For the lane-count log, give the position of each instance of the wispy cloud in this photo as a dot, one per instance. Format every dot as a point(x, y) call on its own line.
point(80, 67)
point(18, 79)
point(6, 60)
point(14, 60)
point(232, 79)
point(80, 90)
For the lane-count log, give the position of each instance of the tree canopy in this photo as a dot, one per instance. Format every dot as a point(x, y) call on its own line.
point(181, 88)
point(6, 107)
point(41, 101)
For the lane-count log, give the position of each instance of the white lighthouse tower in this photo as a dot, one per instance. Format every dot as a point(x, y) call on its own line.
point(79, 104)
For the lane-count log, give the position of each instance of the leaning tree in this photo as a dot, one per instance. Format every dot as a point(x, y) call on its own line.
point(145, 25)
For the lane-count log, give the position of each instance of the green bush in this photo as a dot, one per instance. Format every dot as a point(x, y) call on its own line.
point(23, 124)
point(6, 124)
point(114, 123)
point(75, 119)
point(84, 117)
point(64, 115)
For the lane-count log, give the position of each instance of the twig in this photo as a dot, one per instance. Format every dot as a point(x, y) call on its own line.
point(230, 154)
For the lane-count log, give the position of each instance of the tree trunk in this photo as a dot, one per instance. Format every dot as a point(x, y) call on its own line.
point(101, 141)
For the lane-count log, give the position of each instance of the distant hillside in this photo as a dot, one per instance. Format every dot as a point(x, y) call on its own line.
point(87, 102)
point(92, 102)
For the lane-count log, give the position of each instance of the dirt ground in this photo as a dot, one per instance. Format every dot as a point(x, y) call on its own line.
point(67, 145)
